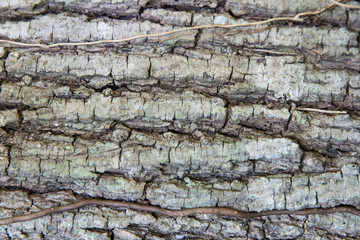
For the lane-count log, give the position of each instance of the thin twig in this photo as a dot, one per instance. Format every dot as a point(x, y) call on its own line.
point(154, 34)
point(297, 18)
point(269, 51)
point(222, 211)
point(320, 110)
point(345, 5)
point(23, 44)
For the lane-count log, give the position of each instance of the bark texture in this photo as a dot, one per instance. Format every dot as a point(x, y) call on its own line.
point(200, 119)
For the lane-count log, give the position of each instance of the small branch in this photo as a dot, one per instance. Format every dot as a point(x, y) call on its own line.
point(345, 5)
point(297, 18)
point(319, 110)
point(270, 51)
point(177, 213)
point(23, 44)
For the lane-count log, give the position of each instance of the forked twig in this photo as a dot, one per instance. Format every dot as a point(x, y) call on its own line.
point(177, 213)
point(297, 18)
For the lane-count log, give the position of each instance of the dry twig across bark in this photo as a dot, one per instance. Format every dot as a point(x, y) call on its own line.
point(176, 213)
point(297, 18)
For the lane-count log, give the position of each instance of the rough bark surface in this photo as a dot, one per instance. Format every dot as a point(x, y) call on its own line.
point(201, 119)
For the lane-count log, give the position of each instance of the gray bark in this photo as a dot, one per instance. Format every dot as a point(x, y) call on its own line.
point(202, 119)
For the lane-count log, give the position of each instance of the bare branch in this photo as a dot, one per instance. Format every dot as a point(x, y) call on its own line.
point(222, 211)
point(345, 5)
point(297, 18)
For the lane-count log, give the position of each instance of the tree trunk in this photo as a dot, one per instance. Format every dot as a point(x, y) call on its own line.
point(257, 118)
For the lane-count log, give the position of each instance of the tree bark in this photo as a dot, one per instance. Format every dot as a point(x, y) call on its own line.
point(257, 119)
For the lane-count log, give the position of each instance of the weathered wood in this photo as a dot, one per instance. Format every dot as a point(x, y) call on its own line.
point(256, 119)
